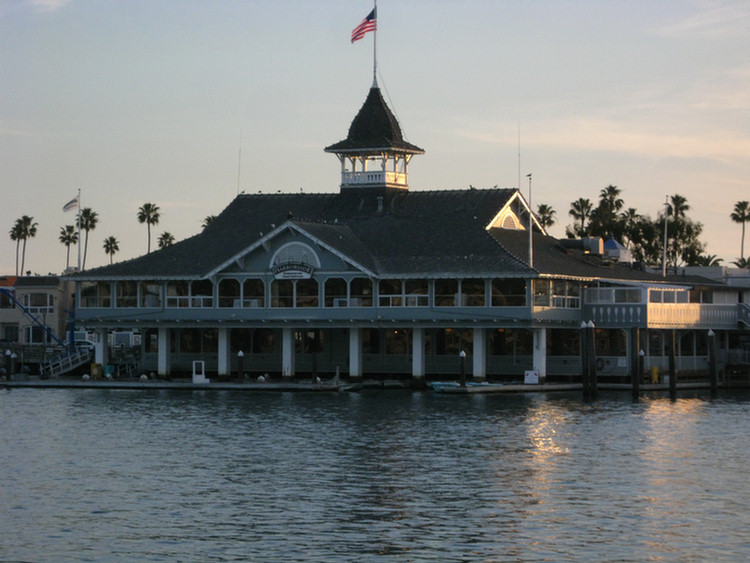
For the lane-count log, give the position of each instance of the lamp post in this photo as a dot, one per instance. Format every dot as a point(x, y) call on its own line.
point(664, 255)
point(462, 366)
point(240, 366)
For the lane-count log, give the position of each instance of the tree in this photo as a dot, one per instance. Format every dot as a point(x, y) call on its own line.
point(580, 210)
point(741, 215)
point(111, 246)
point(208, 220)
point(742, 263)
point(166, 239)
point(149, 213)
point(605, 220)
point(89, 219)
point(24, 229)
point(545, 215)
point(709, 260)
point(683, 245)
point(68, 236)
point(630, 219)
point(678, 206)
point(15, 235)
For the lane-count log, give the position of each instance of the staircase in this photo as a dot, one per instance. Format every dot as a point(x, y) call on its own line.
point(65, 362)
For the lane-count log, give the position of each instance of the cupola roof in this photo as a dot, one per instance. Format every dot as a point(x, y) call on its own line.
point(374, 130)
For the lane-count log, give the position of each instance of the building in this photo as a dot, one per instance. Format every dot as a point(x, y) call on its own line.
point(376, 279)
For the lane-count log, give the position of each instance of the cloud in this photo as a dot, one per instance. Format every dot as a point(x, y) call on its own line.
point(48, 5)
point(711, 19)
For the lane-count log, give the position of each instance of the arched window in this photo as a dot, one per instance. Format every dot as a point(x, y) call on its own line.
point(253, 293)
point(335, 293)
point(229, 293)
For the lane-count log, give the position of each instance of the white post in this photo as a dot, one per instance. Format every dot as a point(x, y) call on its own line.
point(479, 354)
point(417, 359)
point(163, 366)
point(287, 352)
point(355, 352)
point(224, 363)
point(101, 350)
point(540, 353)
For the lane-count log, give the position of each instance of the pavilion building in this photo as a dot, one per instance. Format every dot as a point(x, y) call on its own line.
point(376, 279)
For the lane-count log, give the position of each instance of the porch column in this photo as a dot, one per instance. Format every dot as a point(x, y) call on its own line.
point(287, 352)
point(417, 353)
point(101, 350)
point(540, 353)
point(224, 360)
point(163, 363)
point(355, 352)
point(479, 353)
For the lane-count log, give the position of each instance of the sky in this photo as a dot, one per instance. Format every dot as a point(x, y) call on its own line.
point(185, 103)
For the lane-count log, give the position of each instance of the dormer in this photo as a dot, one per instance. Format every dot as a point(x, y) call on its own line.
point(374, 154)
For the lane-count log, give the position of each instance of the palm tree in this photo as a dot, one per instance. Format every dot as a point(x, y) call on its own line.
point(15, 235)
point(630, 219)
point(68, 236)
point(609, 199)
point(111, 246)
point(89, 219)
point(741, 215)
point(148, 213)
point(580, 210)
point(708, 260)
point(166, 239)
point(545, 215)
point(24, 229)
point(742, 263)
point(208, 220)
point(678, 206)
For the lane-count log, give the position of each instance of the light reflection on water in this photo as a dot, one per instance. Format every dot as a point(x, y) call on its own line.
point(115, 475)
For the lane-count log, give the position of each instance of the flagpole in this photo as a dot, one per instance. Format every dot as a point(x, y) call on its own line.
point(79, 229)
point(375, 47)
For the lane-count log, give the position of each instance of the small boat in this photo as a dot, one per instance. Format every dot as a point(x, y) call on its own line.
point(440, 386)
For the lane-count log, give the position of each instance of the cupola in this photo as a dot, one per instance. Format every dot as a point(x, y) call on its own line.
point(374, 153)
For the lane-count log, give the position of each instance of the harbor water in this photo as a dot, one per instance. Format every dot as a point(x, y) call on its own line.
point(110, 475)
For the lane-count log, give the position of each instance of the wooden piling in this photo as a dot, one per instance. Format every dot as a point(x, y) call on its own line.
point(672, 365)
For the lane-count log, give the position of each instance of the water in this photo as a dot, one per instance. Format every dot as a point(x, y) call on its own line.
point(131, 476)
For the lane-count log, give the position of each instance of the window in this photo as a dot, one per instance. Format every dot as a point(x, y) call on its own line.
point(229, 293)
point(96, 294)
point(565, 294)
point(541, 293)
point(306, 293)
point(508, 292)
point(446, 293)
point(390, 293)
point(201, 293)
point(151, 294)
point(335, 293)
point(178, 294)
point(126, 293)
point(360, 292)
point(282, 293)
point(472, 292)
point(417, 293)
point(253, 293)
point(397, 341)
point(38, 302)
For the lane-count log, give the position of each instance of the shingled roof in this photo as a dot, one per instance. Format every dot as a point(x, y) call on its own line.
point(374, 128)
point(390, 233)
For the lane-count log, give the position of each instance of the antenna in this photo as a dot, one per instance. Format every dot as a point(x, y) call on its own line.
point(239, 164)
point(531, 226)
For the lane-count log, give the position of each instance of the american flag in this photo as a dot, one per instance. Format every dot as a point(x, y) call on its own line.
point(368, 24)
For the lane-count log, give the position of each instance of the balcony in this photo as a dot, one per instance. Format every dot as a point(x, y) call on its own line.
point(375, 177)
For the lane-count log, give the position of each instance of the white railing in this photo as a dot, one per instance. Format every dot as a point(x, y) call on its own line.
point(692, 315)
point(374, 177)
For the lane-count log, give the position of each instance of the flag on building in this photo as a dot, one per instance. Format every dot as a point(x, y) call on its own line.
point(368, 24)
point(71, 205)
